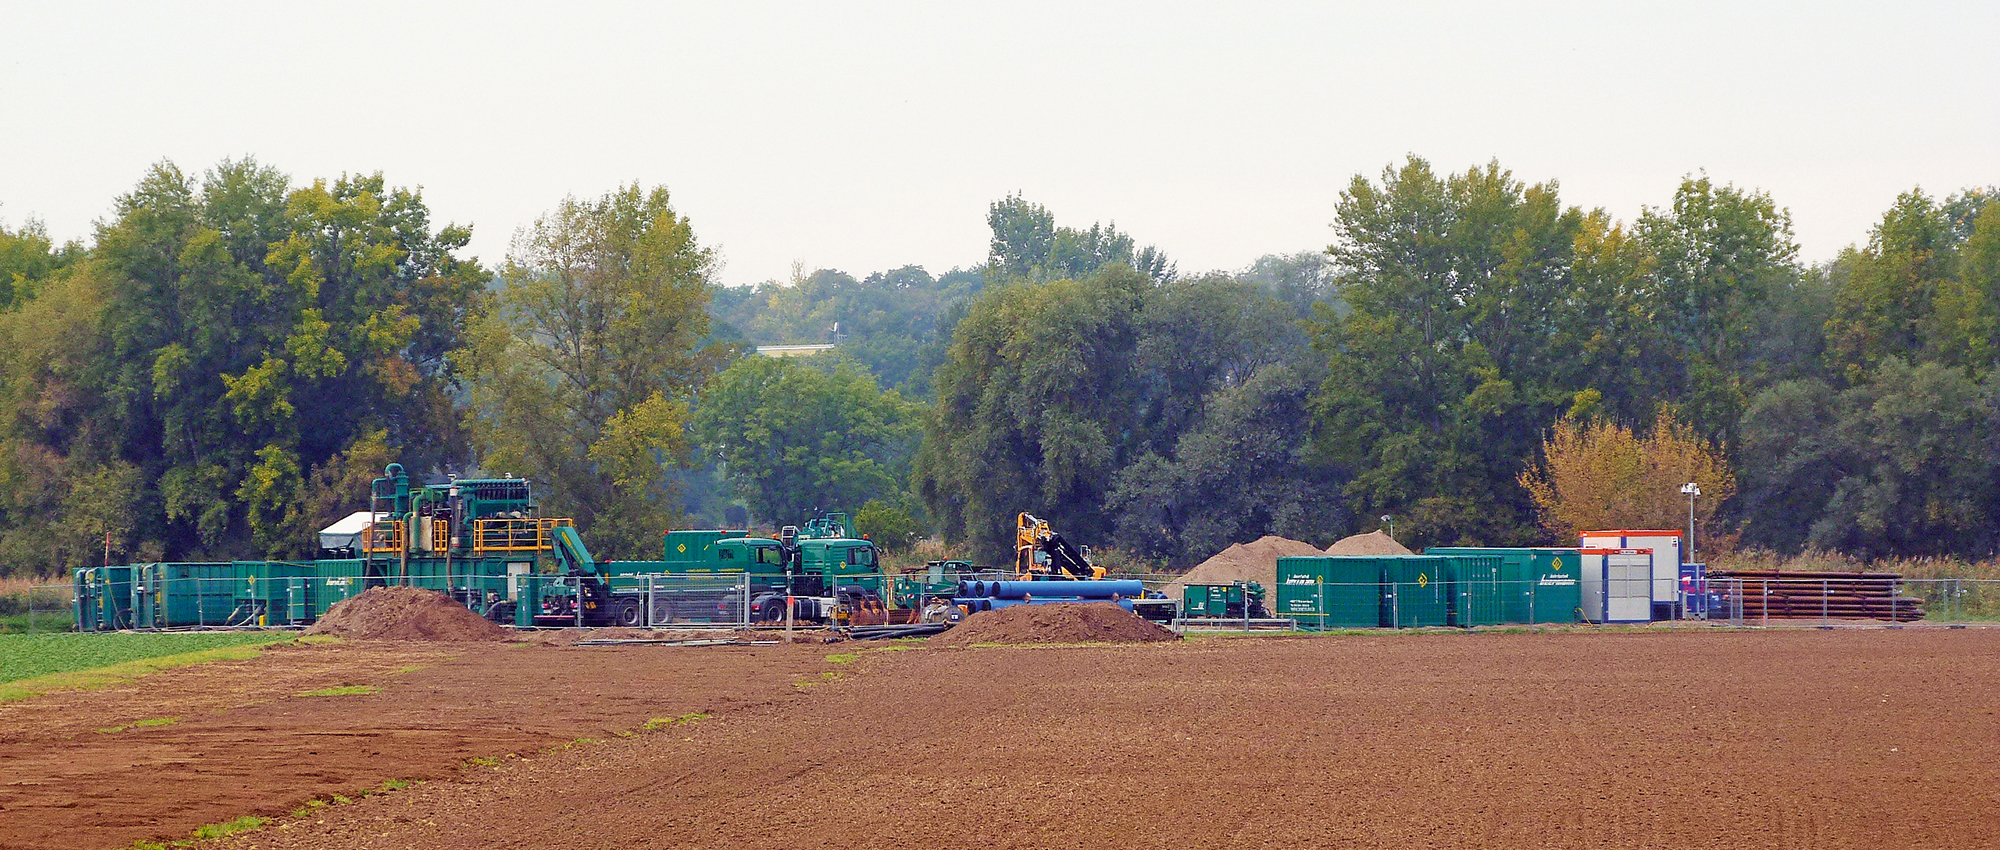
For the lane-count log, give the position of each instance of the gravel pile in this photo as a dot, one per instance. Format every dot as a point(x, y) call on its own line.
point(1254, 561)
point(1372, 543)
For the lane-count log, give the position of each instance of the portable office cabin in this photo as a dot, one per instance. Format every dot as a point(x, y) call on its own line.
point(1665, 545)
point(1617, 585)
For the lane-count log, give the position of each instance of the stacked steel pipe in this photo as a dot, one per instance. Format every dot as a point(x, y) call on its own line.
point(977, 596)
point(1835, 595)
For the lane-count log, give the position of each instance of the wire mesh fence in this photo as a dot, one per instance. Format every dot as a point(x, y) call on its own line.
point(1847, 601)
point(159, 599)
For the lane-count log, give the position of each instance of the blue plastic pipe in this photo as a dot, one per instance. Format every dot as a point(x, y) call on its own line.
point(1103, 589)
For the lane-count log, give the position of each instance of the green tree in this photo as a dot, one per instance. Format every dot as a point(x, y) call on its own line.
point(1035, 409)
point(1967, 323)
point(1719, 258)
point(1888, 306)
point(796, 437)
point(1027, 245)
point(1052, 392)
point(883, 322)
point(1462, 344)
point(27, 258)
point(1302, 280)
point(228, 337)
point(587, 366)
point(1243, 471)
point(890, 526)
point(1903, 465)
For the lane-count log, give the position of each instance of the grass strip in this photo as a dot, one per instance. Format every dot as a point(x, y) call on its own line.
point(341, 691)
point(125, 671)
point(152, 721)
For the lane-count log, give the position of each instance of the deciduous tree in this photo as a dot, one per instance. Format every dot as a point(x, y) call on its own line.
point(587, 366)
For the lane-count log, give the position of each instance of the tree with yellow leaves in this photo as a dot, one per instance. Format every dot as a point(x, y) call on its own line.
point(1599, 474)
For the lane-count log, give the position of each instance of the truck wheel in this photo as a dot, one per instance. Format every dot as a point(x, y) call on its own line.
point(771, 610)
point(626, 613)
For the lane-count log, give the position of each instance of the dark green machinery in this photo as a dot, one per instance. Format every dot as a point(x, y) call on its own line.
point(477, 540)
point(1224, 601)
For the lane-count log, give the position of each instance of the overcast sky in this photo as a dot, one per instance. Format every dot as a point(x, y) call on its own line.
point(865, 136)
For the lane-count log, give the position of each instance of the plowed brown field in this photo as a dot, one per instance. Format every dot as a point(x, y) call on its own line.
point(1679, 739)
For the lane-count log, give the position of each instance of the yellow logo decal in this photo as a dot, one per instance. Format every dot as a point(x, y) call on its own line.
point(683, 548)
point(1423, 580)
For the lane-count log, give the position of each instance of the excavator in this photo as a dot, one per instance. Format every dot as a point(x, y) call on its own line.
point(1041, 553)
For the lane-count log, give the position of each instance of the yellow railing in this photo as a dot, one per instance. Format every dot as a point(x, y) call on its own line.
point(384, 536)
point(529, 534)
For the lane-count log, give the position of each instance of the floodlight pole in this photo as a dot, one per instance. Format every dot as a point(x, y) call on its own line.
point(1392, 525)
point(1692, 491)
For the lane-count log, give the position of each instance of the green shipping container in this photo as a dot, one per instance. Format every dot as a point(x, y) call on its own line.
point(1537, 585)
point(1330, 591)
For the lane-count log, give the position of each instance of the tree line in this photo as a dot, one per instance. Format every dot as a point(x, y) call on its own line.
point(233, 356)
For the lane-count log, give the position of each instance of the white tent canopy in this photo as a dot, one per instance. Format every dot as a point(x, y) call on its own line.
point(345, 534)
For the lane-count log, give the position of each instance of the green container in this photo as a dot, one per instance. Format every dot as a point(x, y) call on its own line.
point(104, 598)
point(1211, 600)
point(1330, 591)
point(266, 593)
point(1537, 584)
point(1478, 594)
point(1416, 591)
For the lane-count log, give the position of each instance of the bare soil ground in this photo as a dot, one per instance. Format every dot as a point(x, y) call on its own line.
point(1810, 739)
point(246, 741)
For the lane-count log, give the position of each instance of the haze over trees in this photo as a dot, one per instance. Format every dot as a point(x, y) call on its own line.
point(234, 354)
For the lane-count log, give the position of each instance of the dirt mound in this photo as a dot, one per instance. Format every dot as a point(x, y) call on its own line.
point(1254, 561)
point(405, 613)
point(1061, 622)
point(1372, 543)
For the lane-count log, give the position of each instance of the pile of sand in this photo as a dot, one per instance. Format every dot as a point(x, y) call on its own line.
point(1372, 543)
point(1255, 561)
point(405, 613)
point(1061, 622)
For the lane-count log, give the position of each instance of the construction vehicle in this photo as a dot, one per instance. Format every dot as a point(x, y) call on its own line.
point(819, 572)
point(1048, 569)
point(1040, 553)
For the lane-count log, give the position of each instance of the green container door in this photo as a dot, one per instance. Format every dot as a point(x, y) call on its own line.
point(1330, 592)
point(1416, 591)
point(1555, 587)
point(1194, 600)
point(1479, 596)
